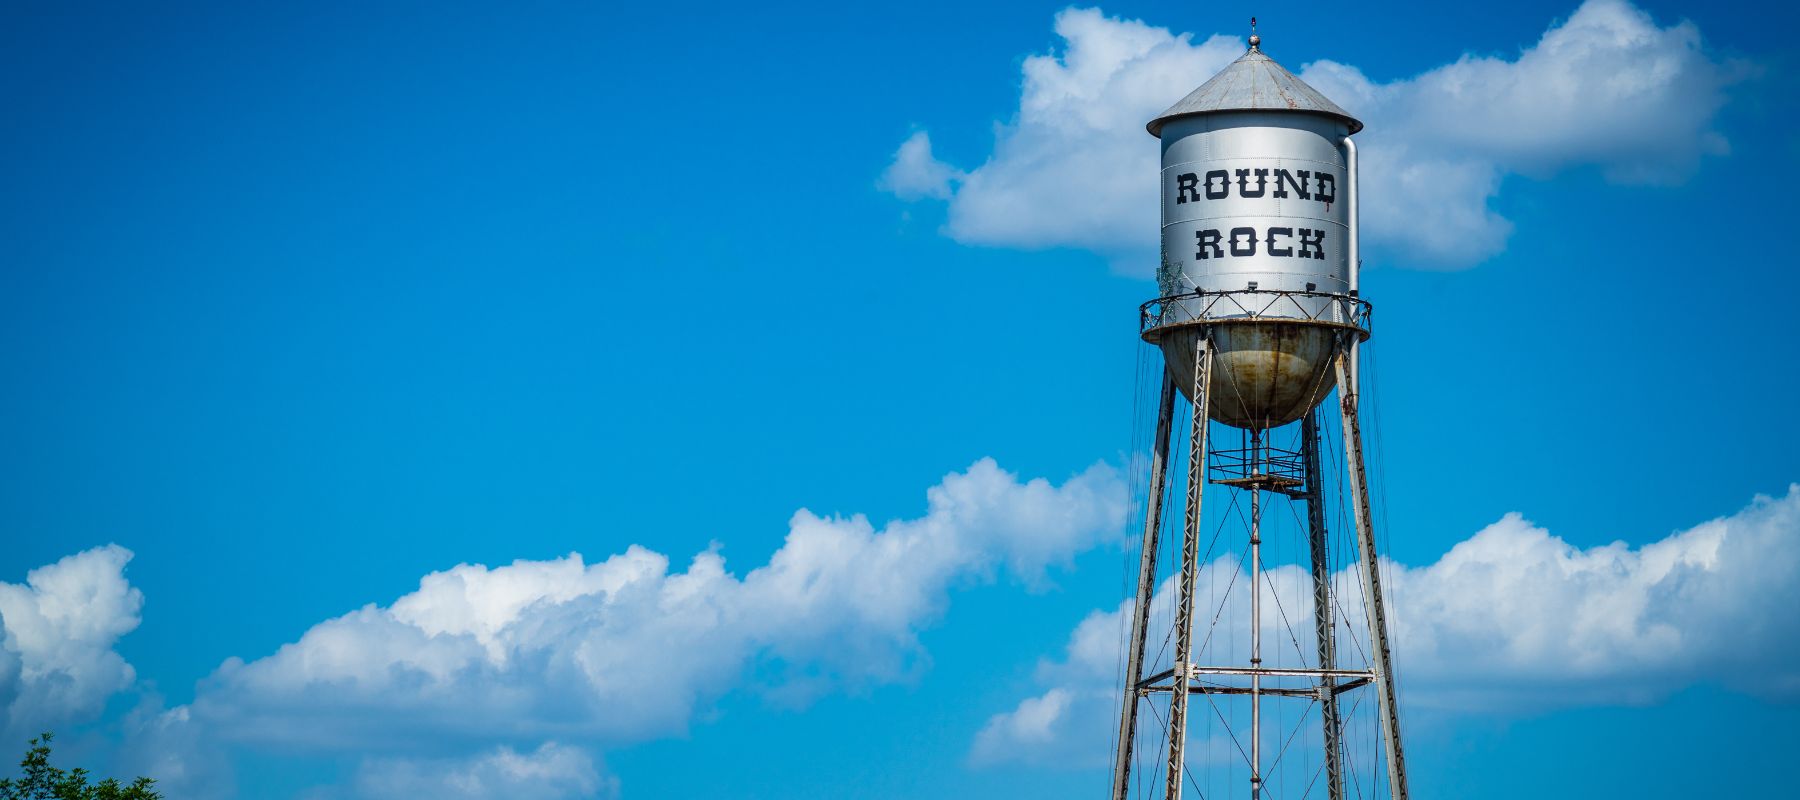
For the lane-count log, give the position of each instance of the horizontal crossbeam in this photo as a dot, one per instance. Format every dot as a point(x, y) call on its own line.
point(1280, 672)
point(1200, 689)
point(1336, 689)
point(1197, 671)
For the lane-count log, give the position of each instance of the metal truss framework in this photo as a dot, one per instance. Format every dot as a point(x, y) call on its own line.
point(1253, 471)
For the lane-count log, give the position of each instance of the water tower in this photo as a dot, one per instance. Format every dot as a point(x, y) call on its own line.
point(1259, 320)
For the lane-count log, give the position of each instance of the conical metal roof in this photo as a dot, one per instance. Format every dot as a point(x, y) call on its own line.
point(1254, 82)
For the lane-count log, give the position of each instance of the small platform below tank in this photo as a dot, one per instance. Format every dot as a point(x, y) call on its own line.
point(1269, 468)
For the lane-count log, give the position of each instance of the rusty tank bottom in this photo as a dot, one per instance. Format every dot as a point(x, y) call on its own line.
point(1273, 350)
point(1266, 373)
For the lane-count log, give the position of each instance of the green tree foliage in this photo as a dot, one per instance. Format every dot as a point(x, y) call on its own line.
point(44, 782)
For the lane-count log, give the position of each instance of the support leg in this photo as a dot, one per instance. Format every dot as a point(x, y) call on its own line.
point(1146, 587)
point(1323, 628)
point(1258, 465)
point(1190, 555)
point(1379, 654)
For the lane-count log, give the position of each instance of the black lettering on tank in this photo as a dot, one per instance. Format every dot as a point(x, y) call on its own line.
point(1269, 242)
point(1209, 244)
point(1248, 248)
point(1224, 179)
point(1312, 244)
point(1327, 191)
point(1187, 186)
point(1262, 182)
point(1284, 179)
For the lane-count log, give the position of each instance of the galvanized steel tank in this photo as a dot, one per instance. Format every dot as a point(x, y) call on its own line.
point(1255, 237)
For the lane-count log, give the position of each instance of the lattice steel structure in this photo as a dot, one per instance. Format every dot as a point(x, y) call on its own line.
point(1257, 333)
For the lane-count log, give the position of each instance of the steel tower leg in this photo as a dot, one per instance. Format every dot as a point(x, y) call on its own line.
point(1190, 556)
point(1379, 656)
point(1256, 465)
point(1146, 588)
point(1323, 628)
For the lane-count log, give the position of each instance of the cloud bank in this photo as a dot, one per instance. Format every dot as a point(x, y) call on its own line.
point(495, 681)
point(1512, 619)
point(552, 772)
point(505, 681)
point(57, 661)
point(1607, 88)
point(627, 648)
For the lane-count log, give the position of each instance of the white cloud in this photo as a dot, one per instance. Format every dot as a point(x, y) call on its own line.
point(626, 649)
point(916, 174)
point(1512, 619)
point(1607, 88)
point(1037, 724)
point(1075, 168)
point(1515, 613)
point(546, 651)
point(552, 772)
point(57, 661)
point(167, 744)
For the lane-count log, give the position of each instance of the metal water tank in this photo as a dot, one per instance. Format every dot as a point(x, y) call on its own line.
point(1256, 190)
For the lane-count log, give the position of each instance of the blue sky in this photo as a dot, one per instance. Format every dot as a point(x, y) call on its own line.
point(302, 305)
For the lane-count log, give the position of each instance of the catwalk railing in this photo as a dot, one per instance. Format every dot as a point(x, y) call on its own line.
point(1242, 305)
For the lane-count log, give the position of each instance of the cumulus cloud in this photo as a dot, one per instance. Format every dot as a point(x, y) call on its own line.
point(1075, 168)
point(1036, 727)
point(627, 648)
point(1513, 618)
point(442, 688)
point(168, 744)
point(552, 772)
point(549, 651)
point(1607, 88)
point(1515, 612)
point(57, 661)
point(916, 174)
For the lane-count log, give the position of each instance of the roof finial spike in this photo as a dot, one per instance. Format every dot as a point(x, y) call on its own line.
point(1255, 40)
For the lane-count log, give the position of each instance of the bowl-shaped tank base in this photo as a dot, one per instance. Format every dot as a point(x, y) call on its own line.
point(1265, 374)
